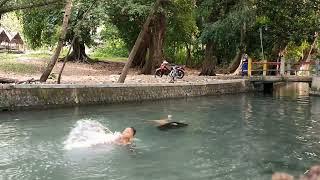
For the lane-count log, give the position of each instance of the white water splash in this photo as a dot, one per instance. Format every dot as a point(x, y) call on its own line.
point(88, 133)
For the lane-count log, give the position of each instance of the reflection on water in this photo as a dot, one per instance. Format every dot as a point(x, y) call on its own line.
point(293, 90)
point(245, 136)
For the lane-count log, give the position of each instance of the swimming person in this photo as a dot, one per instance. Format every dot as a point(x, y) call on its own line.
point(89, 133)
point(126, 136)
point(161, 122)
point(165, 124)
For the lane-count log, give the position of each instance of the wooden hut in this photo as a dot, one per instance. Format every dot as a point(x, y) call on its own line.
point(4, 39)
point(16, 42)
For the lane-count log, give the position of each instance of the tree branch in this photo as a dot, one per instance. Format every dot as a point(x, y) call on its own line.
point(27, 6)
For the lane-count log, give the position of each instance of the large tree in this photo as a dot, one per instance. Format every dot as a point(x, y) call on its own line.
point(41, 26)
point(284, 22)
point(223, 27)
point(129, 17)
point(169, 23)
point(54, 58)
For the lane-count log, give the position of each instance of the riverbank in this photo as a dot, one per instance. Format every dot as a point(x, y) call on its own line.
point(14, 97)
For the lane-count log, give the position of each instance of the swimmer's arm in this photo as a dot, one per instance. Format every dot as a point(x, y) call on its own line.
point(119, 143)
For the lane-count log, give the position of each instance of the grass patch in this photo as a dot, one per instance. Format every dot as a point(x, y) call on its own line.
point(40, 55)
point(105, 58)
point(19, 67)
point(9, 63)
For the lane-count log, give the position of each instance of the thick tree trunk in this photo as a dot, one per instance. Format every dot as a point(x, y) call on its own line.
point(78, 52)
point(140, 58)
point(210, 61)
point(189, 58)
point(308, 58)
point(234, 66)
point(138, 42)
point(56, 54)
point(65, 61)
point(157, 31)
point(236, 62)
point(313, 46)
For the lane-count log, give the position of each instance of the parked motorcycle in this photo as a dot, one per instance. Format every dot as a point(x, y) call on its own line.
point(174, 71)
point(164, 69)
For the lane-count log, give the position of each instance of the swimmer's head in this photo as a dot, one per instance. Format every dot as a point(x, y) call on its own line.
point(169, 117)
point(129, 132)
point(133, 130)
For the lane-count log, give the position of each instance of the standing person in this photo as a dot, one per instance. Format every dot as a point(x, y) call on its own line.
point(173, 74)
point(244, 66)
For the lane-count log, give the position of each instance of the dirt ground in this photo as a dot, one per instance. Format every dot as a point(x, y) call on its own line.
point(101, 73)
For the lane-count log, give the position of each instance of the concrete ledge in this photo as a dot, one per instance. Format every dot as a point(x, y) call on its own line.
point(19, 96)
point(315, 86)
point(273, 79)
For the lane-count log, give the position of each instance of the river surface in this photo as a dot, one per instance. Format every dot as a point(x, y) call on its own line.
point(232, 137)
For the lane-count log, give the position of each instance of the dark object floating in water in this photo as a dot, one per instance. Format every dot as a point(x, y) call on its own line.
point(172, 125)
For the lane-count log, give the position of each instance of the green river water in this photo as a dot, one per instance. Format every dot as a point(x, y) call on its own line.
point(231, 137)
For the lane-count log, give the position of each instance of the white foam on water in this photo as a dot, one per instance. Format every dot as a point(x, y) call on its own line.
point(88, 133)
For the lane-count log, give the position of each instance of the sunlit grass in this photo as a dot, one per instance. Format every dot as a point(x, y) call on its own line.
point(40, 55)
point(10, 63)
point(26, 64)
point(112, 59)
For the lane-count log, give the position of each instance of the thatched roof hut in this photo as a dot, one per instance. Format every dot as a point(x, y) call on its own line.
point(4, 36)
point(16, 39)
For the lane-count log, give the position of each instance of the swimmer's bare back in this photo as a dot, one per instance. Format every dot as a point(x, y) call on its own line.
point(158, 122)
point(161, 122)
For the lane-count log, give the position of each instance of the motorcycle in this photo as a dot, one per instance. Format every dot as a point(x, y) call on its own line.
point(174, 71)
point(177, 72)
point(163, 69)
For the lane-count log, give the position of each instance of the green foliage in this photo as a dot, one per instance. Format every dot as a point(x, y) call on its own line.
point(182, 26)
point(107, 51)
point(41, 26)
point(295, 52)
point(192, 24)
point(221, 22)
point(288, 21)
point(113, 45)
point(11, 22)
point(128, 16)
point(181, 30)
point(86, 17)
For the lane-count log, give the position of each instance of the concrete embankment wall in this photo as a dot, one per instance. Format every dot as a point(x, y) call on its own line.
point(315, 87)
point(46, 95)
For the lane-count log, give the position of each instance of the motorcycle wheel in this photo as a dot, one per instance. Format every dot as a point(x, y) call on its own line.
point(180, 74)
point(158, 73)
